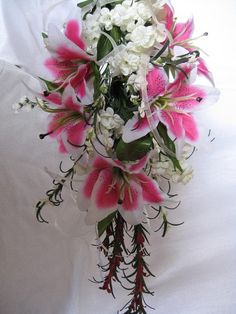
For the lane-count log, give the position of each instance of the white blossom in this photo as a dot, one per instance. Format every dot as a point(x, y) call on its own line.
point(110, 120)
point(91, 31)
point(105, 19)
point(143, 38)
point(125, 62)
point(24, 104)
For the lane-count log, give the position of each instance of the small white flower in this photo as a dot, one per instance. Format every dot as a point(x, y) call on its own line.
point(109, 120)
point(106, 139)
point(144, 11)
point(25, 104)
point(91, 31)
point(16, 107)
point(105, 19)
point(135, 81)
point(125, 63)
point(143, 38)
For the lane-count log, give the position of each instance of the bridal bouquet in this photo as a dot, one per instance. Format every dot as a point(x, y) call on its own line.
point(121, 102)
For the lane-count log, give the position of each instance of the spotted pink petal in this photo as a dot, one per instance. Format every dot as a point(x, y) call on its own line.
point(136, 128)
point(62, 48)
point(183, 31)
point(150, 190)
point(173, 122)
point(73, 32)
point(157, 82)
point(198, 96)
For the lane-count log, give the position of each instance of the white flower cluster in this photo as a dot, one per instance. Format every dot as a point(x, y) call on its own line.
point(133, 19)
point(110, 126)
point(24, 104)
point(91, 31)
point(163, 166)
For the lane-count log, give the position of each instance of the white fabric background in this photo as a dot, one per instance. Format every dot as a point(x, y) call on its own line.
point(45, 271)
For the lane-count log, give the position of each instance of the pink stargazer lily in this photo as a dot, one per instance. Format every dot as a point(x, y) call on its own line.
point(69, 64)
point(111, 185)
point(181, 34)
point(67, 125)
point(173, 105)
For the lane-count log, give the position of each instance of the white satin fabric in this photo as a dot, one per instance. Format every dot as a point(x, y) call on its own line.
point(45, 270)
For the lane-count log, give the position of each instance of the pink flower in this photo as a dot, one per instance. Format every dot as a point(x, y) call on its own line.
point(181, 34)
point(111, 185)
point(173, 105)
point(67, 125)
point(70, 64)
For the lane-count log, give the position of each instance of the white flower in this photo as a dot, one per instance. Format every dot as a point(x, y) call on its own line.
point(109, 120)
point(160, 167)
point(135, 81)
point(126, 62)
point(184, 177)
point(91, 31)
point(143, 38)
point(24, 104)
point(124, 14)
point(105, 19)
point(106, 139)
point(144, 11)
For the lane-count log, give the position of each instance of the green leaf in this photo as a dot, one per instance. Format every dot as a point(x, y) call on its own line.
point(103, 224)
point(104, 45)
point(84, 3)
point(135, 150)
point(169, 144)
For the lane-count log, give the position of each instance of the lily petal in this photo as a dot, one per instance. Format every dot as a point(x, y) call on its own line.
point(173, 122)
point(89, 183)
point(190, 128)
point(132, 207)
point(63, 48)
point(76, 134)
point(138, 166)
point(73, 32)
point(136, 128)
point(203, 70)
point(150, 190)
point(157, 81)
point(183, 31)
point(196, 97)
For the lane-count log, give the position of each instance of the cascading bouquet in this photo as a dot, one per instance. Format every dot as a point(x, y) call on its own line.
point(121, 103)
